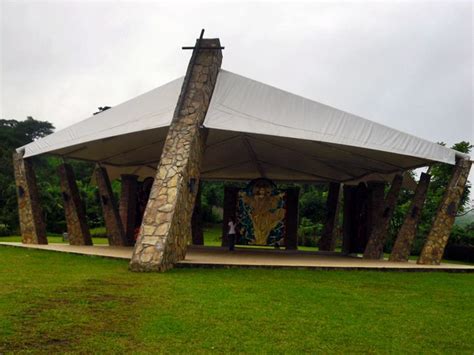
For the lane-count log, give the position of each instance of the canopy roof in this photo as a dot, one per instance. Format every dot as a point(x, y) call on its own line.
point(254, 130)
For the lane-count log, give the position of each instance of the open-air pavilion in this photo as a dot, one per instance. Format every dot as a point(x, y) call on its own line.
point(213, 124)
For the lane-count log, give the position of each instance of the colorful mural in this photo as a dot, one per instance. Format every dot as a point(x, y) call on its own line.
point(261, 213)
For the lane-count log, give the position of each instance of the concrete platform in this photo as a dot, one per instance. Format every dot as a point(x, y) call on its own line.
point(212, 257)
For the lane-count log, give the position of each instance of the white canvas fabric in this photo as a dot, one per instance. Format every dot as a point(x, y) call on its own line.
point(255, 130)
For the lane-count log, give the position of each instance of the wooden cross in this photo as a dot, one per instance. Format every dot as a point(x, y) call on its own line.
point(198, 44)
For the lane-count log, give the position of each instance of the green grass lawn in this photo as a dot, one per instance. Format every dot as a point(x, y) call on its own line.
point(55, 302)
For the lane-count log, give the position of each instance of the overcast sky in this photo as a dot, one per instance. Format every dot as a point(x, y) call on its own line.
point(404, 64)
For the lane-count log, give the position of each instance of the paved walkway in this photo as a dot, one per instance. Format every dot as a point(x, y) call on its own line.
point(246, 257)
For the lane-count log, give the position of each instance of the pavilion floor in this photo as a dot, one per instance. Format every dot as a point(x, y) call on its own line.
point(211, 257)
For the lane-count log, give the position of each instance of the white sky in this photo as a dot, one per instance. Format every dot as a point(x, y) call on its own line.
point(404, 64)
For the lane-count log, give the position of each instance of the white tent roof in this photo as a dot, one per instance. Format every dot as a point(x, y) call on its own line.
point(255, 130)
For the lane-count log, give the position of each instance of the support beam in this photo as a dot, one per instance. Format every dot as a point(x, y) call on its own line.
point(113, 224)
point(231, 195)
point(328, 238)
point(33, 229)
point(374, 249)
point(75, 212)
point(166, 227)
point(437, 239)
point(128, 206)
point(406, 234)
point(291, 218)
point(196, 222)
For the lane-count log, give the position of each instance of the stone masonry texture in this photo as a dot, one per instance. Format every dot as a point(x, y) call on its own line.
point(437, 239)
point(406, 235)
point(328, 238)
point(113, 224)
point(379, 230)
point(77, 228)
point(166, 227)
point(33, 229)
point(128, 206)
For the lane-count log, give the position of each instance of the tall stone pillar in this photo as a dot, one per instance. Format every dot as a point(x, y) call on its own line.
point(166, 227)
point(33, 229)
point(328, 237)
point(349, 218)
point(113, 224)
point(437, 239)
point(374, 249)
point(406, 234)
point(231, 195)
point(128, 206)
point(291, 218)
point(375, 204)
point(75, 212)
point(196, 223)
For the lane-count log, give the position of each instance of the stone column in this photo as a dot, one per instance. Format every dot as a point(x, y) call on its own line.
point(437, 239)
point(375, 204)
point(33, 229)
point(406, 234)
point(328, 237)
point(128, 206)
point(75, 212)
point(349, 218)
point(231, 195)
point(374, 249)
point(166, 227)
point(196, 222)
point(291, 219)
point(361, 216)
point(113, 224)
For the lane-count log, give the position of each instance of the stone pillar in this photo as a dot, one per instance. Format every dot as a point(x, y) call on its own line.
point(406, 234)
point(128, 206)
point(166, 227)
point(113, 224)
point(361, 214)
point(437, 239)
point(291, 219)
point(196, 222)
point(349, 218)
point(374, 249)
point(375, 204)
point(75, 212)
point(328, 237)
point(231, 195)
point(33, 229)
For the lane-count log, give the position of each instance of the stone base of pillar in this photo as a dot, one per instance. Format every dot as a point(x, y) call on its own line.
point(113, 224)
point(374, 249)
point(328, 237)
point(33, 228)
point(406, 235)
point(433, 250)
point(77, 228)
point(128, 206)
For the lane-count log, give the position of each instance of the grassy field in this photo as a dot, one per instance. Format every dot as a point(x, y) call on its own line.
point(52, 302)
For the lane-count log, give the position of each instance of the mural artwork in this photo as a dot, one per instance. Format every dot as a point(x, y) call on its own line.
point(261, 213)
